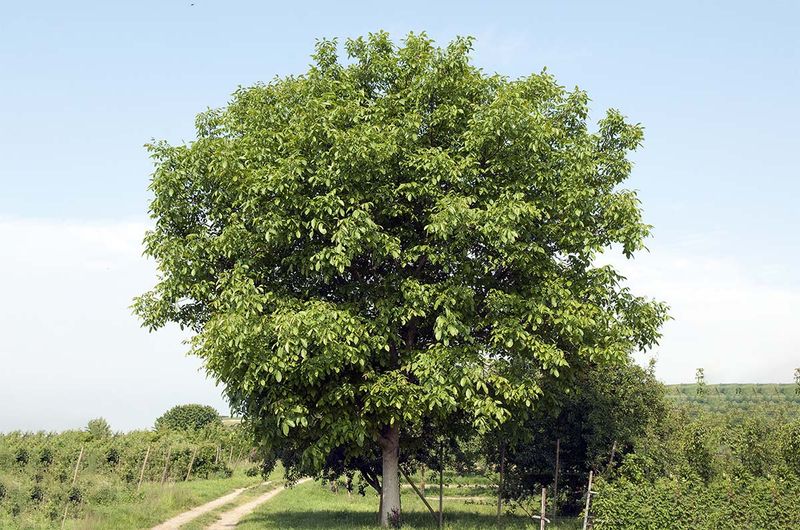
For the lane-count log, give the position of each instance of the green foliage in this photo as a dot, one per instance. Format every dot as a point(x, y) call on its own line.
point(732, 469)
point(393, 239)
point(731, 397)
point(607, 415)
point(36, 469)
point(766, 503)
point(99, 428)
point(189, 417)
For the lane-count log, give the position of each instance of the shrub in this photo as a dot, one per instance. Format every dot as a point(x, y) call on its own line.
point(188, 417)
point(790, 446)
point(22, 456)
point(75, 495)
point(724, 504)
point(46, 457)
point(112, 456)
point(37, 494)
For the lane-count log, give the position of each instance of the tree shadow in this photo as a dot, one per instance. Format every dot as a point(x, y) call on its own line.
point(341, 519)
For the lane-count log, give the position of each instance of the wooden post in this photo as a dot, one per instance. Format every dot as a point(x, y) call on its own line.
point(166, 465)
point(441, 484)
point(542, 518)
point(613, 453)
point(500, 484)
point(191, 463)
point(144, 465)
point(77, 467)
point(422, 479)
point(588, 499)
point(419, 494)
point(555, 482)
point(74, 480)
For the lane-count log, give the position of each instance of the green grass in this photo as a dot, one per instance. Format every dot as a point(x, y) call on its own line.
point(155, 504)
point(205, 520)
point(312, 505)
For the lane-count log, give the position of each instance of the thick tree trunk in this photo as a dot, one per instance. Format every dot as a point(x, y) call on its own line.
point(390, 505)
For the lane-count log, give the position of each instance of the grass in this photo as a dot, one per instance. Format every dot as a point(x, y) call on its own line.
point(155, 504)
point(207, 519)
point(312, 505)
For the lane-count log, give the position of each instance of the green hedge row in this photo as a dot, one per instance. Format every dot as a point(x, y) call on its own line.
point(37, 469)
point(762, 503)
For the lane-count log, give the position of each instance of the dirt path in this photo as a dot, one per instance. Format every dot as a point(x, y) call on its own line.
point(185, 517)
point(232, 517)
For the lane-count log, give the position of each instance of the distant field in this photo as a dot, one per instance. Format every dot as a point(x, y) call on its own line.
point(734, 394)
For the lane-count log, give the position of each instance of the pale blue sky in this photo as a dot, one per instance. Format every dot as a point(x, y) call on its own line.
point(84, 84)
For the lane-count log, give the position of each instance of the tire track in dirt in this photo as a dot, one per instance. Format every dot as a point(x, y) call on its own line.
point(197, 511)
point(232, 517)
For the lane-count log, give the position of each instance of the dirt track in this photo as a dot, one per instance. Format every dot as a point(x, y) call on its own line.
point(185, 517)
point(232, 517)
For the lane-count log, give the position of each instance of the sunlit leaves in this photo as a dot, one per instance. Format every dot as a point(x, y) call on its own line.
point(395, 237)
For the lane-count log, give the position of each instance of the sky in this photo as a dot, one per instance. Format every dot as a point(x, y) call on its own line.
point(83, 85)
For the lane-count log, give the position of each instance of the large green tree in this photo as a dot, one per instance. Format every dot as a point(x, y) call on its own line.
point(392, 239)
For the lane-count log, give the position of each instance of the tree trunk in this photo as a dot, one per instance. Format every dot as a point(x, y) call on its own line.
point(390, 505)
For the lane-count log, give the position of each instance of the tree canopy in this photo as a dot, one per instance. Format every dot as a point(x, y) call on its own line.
point(395, 238)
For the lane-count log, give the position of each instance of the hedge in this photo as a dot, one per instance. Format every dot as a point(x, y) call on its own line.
point(735, 503)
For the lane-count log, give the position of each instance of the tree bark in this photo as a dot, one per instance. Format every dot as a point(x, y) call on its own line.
point(390, 445)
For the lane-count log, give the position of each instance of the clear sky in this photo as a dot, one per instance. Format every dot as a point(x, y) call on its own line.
point(84, 84)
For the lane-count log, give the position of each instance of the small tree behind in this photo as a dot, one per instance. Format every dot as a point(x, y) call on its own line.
point(99, 428)
point(188, 417)
point(700, 381)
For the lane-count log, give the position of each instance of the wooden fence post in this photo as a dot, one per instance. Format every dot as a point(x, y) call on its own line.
point(191, 463)
point(555, 482)
point(419, 494)
point(144, 465)
point(500, 482)
point(74, 480)
point(588, 499)
point(441, 484)
point(542, 518)
point(613, 453)
point(166, 465)
point(238, 458)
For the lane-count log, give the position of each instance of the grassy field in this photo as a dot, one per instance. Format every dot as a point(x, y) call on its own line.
point(312, 505)
point(205, 520)
point(155, 503)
